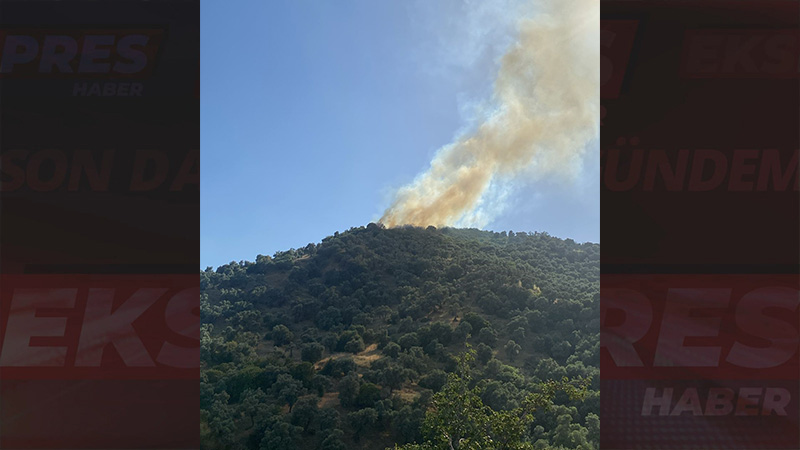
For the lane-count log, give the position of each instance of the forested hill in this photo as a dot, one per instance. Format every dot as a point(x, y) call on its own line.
point(341, 345)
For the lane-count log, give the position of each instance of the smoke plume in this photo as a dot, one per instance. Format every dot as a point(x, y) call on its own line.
point(547, 109)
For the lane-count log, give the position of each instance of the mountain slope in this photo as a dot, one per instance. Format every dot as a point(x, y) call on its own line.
point(342, 344)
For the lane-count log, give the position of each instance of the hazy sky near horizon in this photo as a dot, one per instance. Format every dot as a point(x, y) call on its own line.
point(314, 113)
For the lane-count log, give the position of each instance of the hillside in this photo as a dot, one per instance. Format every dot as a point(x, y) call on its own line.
point(343, 344)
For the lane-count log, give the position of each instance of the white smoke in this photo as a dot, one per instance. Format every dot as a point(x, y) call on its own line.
point(547, 109)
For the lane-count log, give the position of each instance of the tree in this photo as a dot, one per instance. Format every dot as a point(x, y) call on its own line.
point(434, 380)
point(345, 337)
point(221, 421)
point(329, 342)
point(476, 321)
point(355, 345)
point(485, 353)
point(303, 372)
point(593, 425)
point(246, 378)
point(312, 352)
point(333, 440)
point(304, 414)
point(280, 435)
point(561, 350)
point(383, 312)
point(568, 434)
point(287, 389)
point(393, 376)
point(328, 419)
point(518, 334)
point(407, 424)
point(462, 331)
point(441, 332)
point(339, 367)
point(458, 419)
point(348, 389)
point(281, 335)
point(512, 349)
point(391, 349)
point(320, 384)
point(368, 394)
point(361, 420)
point(487, 336)
point(548, 368)
point(408, 340)
point(254, 406)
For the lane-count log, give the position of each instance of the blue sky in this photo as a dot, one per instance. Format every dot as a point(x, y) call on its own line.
point(314, 112)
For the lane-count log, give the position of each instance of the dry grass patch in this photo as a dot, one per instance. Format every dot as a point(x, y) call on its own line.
point(329, 400)
point(363, 359)
point(408, 394)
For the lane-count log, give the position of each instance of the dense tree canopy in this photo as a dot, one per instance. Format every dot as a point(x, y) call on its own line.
point(458, 419)
point(358, 342)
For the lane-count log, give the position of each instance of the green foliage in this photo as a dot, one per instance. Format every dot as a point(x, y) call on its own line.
point(281, 335)
point(392, 349)
point(459, 420)
point(349, 388)
point(361, 420)
point(280, 435)
point(487, 336)
point(462, 331)
point(368, 394)
point(408, 340)
point(434, 380)
point(304, 414)
point(512, 349)
point(353, 343)
point(312, 352)
point(287, 389)
point(333, 441)
point(485, 353)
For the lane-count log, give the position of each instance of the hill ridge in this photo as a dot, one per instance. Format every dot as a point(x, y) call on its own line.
point(528, 303)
